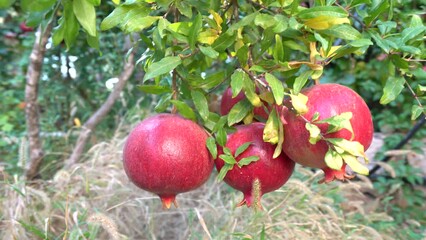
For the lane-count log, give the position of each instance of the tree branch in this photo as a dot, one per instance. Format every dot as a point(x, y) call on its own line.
point(31, 108)
point(100, 114)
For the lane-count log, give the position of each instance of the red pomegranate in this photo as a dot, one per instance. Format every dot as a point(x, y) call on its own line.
point(328, 100)
point(270, 174)
point(228, 102)
point(166, 154)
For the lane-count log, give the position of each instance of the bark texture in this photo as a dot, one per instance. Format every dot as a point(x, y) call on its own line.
point(100, 114)
point(32, 108)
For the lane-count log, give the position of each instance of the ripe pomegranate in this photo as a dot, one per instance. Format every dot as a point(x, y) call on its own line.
point(267, 173)
point(166, 154)
point(328, 100)
point(228, 102)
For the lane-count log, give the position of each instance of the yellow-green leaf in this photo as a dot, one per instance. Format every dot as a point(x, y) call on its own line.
point(352, 147)
point(208, 36)
point(355, 165)
point(86, 15)
point(271, 130)
point(299, 103)
point(325, 22)
point(339, 122)
point(333, 159)
point(314, 133)
point(278, 149)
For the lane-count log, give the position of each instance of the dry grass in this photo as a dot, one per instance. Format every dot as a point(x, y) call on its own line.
point(95, 200)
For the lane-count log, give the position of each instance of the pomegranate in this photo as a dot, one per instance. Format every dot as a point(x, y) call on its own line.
point(328, 100)
point(266, 174)
point(166, 154)
point(228, 102)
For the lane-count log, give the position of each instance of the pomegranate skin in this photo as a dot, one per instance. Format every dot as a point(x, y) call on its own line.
point(271, 173)
point(328, 100)
point(166, 154)
point(228, 102)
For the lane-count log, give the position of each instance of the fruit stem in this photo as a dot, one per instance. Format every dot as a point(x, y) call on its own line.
point(167, 201)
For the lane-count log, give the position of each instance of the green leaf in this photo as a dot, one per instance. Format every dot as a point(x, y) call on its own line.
point(238, 112)
point(247, 160)
point(314, 133)
point(163, 103)
point(250, 91)
point(382, 43)
point(278, 49)
point(228, 159)
point(221, 137)
point(70, 25)
point(241, 149)
point(421, 88)
point(93, 41)
point(361, 43)
point(299, 103)
point(95, 2)
point(343, 31)
point(300, 81)
point(163, 66)
point(114, 18)
point(155, 89)
point(416, 111)
point(224, 170)
point(245, 21)
point(376, 11)
point(392, 89)
point(338, 122)
point(201, 104)
point(220, 124)
point(184, 109)
point(237, 81)
point(139, 23)
point(223, 42)
point(264, 21)
point(6, 3)
point(86, 15)
point(355, 165)
point(184, 8)
point(411, 33)
point(36, 6)
point(278, 149)
point(195, 30)
point(209, 52)
point(330, 11)
point(333, 159)
point(271, 130)
point(276, 87)
point(315, 117)
point(211, 145)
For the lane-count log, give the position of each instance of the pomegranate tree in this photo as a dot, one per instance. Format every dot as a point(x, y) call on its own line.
point(338, 103)
point(251, 169)
point(166, 154)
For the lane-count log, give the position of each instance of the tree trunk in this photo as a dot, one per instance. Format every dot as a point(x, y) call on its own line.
point(32, 109)
point(99, 115)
